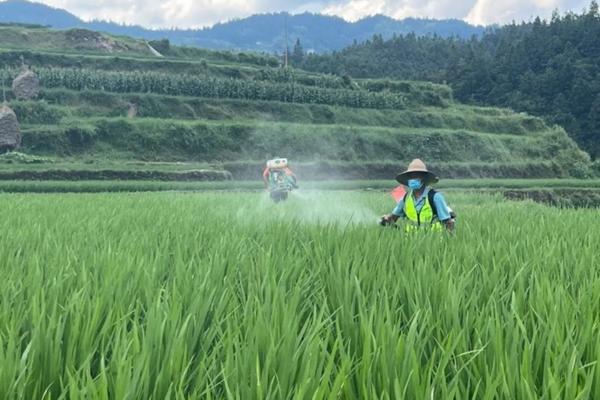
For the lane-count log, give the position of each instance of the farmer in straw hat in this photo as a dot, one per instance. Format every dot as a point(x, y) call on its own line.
point(421, 206)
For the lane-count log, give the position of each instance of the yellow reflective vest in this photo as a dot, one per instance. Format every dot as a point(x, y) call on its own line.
point(423, 219)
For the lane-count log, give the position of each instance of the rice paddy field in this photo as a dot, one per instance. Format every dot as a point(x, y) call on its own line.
point(224, 295)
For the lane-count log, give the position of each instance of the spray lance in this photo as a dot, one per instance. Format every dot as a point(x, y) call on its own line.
point(397, 194)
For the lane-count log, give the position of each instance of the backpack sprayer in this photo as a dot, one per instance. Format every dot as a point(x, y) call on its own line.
point(277, 163)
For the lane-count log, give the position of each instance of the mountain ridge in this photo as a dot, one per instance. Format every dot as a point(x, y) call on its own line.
point(261, 32)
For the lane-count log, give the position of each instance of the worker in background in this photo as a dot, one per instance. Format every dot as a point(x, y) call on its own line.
point(422, 207)
point(276, 166)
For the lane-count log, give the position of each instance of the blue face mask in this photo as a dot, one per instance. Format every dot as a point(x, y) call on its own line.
point(415, 184)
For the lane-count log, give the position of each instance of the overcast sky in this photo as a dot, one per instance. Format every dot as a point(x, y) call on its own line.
point(198, 13)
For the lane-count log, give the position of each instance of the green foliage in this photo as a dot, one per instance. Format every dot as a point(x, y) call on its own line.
point(220, 141)
point(595, 166)
point(547, 68)
point(251, 130)
point(189, 85)
point(231, 108)
point(163, 46)
point(297, 54)
point(580, 198)
point(290, 75)
point(15, 157)
point(224, 296)
point(80, 137)
point(104, 104)
point(36, 112)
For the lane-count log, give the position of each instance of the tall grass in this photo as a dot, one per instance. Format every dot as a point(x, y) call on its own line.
point(228, 296)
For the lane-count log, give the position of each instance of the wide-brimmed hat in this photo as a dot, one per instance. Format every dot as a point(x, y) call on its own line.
point(417, 165)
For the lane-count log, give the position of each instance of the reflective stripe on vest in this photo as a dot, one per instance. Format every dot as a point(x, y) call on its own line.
point(420, 219)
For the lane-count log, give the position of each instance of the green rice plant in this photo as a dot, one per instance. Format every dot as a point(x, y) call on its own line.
point(580, 186)
point(226, 295)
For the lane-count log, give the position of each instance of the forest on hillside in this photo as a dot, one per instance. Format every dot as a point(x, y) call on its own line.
point(547, 68)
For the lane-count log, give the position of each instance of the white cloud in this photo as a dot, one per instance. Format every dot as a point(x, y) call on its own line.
point(486, 12)
point(169, 13)
point(204, 12)
point(196, 13)
point(355, 9)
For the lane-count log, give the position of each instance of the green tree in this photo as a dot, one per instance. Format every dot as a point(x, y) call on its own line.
point(593, 135)
point(297, 54)
point(548, 68)
point(593, 12)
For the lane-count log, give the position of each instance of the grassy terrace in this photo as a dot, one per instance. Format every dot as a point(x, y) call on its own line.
point(229, 111)
point(93, 126)
point(59, 104)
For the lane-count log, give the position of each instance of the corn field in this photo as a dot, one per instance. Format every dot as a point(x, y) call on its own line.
point(197, 86)
point(225, 295)
point(287, 75)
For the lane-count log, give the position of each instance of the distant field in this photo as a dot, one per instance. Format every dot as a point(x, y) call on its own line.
point(554, 192)
point(382, 185)
point(224, 296)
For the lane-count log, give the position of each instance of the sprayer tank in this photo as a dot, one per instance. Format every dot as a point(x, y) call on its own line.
point(277, 163)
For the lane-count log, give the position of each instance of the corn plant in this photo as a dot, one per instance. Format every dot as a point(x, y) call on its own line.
point(210, 87)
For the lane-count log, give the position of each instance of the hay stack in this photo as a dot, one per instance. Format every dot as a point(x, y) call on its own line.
point(10, 134)
point(26, 86)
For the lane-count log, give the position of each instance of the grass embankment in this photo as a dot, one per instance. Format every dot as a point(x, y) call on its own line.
point(61, 104)
point(251, 140)
point(554, 192)
point(352, 143)
point(252, 171)
point(222, 296)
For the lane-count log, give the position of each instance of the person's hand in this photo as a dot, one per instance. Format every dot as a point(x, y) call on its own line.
point(450, 225)
point(387, 219)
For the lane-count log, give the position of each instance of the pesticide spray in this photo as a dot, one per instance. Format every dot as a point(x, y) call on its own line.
point(331, 207)
point(313, 206)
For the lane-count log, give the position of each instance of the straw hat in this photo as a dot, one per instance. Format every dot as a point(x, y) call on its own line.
point(417, 165)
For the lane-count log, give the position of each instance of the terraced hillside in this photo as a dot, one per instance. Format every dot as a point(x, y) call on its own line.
point(99, 105)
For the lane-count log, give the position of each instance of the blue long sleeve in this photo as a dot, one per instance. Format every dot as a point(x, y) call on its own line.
point(399, 209)
point(441, 207)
